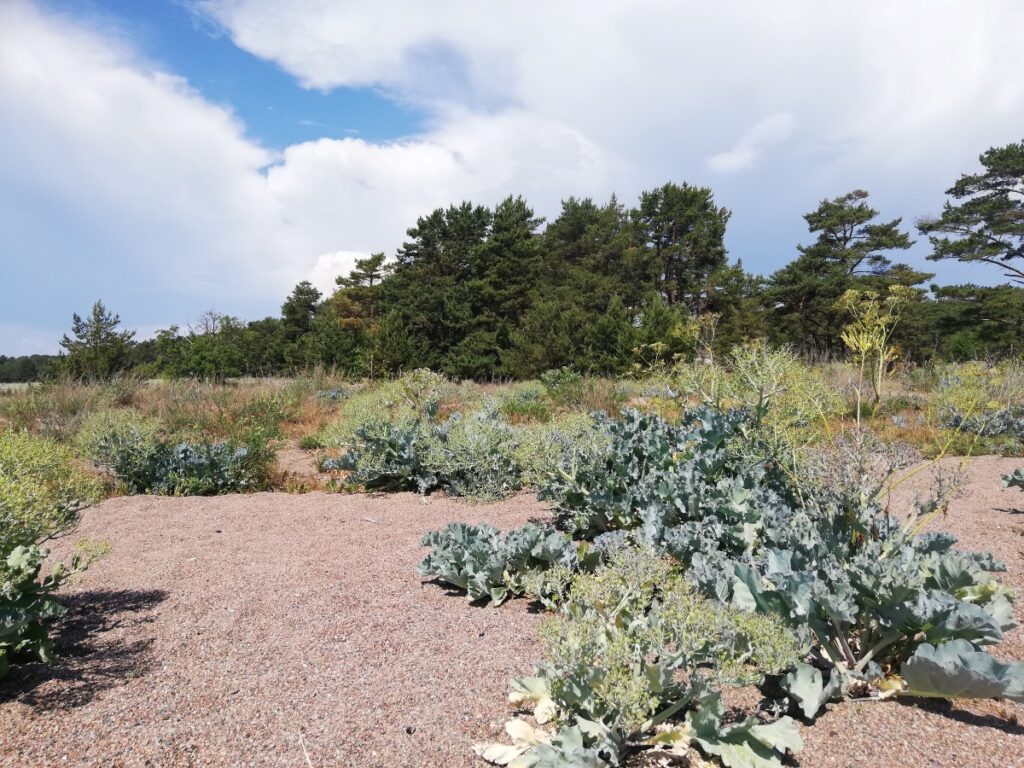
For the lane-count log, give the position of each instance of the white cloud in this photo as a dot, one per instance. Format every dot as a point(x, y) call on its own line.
point(165, 203)
point(329, 266)
point(124, 177)
point(773, 129)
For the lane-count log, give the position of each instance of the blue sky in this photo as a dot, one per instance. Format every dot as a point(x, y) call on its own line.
point(175, 156)
point(275, 109)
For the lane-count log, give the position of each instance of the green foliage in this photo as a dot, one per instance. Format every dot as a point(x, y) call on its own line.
point(489, 564)
point(130, 447)
point(27, 604)
point(41, 494)
point(41, 491)
point(1015, 479)
point(611, 674)
point(791, 404)
point(956, 669)
point(986, 223)
point(475, 456)
point(526, 401)
point(569, 440)
point(681, 486)
point(472, 456)
point(563, 386)
point(98, 350)
point(849, 253)
point(862, 590)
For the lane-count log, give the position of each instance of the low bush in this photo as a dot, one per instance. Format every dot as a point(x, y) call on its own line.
point(474, 456)
point(1015, 479)
point(477, 455)
point(41, 491)
point(130, 448)
point(388, 455)
point(877, 607)
point(563, 386)
point(416, 395)
point(635, 658)
point(489, 564)
point(525, 402)
point(570, 440)
point(41, 494)
point(27, 605)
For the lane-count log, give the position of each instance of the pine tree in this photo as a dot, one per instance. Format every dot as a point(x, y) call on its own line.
point(98, 350)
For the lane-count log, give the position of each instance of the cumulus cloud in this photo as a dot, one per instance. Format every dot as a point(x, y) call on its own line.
point(120, 178)
point(166, 206)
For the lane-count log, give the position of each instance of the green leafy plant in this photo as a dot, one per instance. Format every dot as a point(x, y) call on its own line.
point(130, 448)
point(489, 564)
point(27, 605)
point(872, 601)
point(611, 679)
point(41, 494)
point(563, 386)
point(41, 491)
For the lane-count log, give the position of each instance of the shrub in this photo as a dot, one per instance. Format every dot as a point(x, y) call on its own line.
point(526, 401)
point(129, 447)
point(489, 564)
point(1014, 480)
point(124, 443)
point(389, 455)
point(471, 456)
point(542, 449)
point(686, 487)
point(41, 492)
point(875, 604)
point(564, 386)
point(611, 674)
point(827, 557)
point(417, 395)
point(474, 456)
point(27, 605)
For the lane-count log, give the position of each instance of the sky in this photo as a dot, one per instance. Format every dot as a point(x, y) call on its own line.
point(176, 156)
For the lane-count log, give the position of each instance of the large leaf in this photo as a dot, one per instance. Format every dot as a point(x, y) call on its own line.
point(805, 687)
point(1016, 480)
point(958, 670)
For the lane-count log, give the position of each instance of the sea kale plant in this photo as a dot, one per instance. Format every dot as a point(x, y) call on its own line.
point(878, 605)
point(132, 450)
point(635, 659)
point(489, 564)
point(27, 605)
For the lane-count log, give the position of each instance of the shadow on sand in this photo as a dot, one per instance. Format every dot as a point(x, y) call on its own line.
point(89, 658)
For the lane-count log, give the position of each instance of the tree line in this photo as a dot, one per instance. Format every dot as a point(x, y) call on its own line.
point(478, 292)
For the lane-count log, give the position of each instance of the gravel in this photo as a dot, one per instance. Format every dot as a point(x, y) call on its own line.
point(292, 630)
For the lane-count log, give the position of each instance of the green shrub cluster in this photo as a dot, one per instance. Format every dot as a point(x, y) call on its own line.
point(41, 494)
point(876, 606)
point(636, 657)
point(478, 455)
point(130, 447)
point(489, 564)
point(41, 491)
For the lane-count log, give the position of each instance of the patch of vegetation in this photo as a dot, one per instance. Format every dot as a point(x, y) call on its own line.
point(132, 449)
point(491, 565)
point(41, 494)
point(634, 661)
point(41, 491)
point(876, 607)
